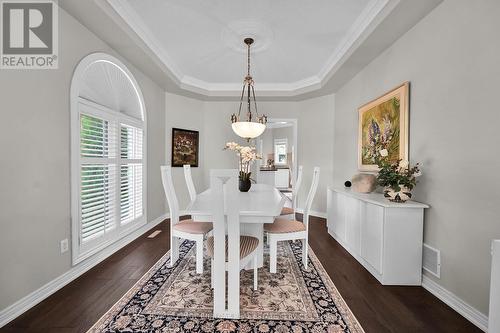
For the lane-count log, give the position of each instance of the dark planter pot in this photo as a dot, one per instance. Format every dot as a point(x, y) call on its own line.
point(244, 185)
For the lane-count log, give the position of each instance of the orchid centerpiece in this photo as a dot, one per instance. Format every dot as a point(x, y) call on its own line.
point(398, 178)
point(247, 155)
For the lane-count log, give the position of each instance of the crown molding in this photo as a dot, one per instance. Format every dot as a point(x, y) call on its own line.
point(364, 24)
point(374, 12)
point(265, 89)
point(131, 18)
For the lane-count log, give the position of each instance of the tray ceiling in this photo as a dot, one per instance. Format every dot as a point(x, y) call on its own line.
point(298, 43)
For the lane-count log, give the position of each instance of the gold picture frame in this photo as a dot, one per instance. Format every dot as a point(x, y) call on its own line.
point(383, 124)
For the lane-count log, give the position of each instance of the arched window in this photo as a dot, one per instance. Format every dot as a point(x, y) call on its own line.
point(108, 147)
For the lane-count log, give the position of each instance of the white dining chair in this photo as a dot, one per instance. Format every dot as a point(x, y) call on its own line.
point(236, 251)
point(289, 212)
point(285, 230)
point(189, 182)
point(185, 229)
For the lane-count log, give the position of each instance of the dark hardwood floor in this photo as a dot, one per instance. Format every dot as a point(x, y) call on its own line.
point(76, 307)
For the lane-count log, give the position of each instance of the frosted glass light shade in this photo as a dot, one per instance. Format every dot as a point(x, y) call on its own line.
point(248, 129)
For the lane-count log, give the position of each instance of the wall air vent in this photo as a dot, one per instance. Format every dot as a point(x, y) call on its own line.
point(431, 260)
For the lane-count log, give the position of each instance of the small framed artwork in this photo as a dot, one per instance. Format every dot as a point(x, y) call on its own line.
point(185, 147)
point(383, 124)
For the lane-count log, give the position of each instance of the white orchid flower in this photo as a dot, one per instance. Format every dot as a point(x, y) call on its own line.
point(232, 146)
point(384, 153)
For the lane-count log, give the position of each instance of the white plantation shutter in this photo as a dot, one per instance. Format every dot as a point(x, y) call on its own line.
point(97, 177)
point(131, 142)
point(97, 200)
point(130, 192)
point(95, 137)
point(130, 173)
point(111, 175)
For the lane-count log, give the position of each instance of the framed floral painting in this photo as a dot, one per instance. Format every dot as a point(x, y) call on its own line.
point(383, 124)
point(185, 147)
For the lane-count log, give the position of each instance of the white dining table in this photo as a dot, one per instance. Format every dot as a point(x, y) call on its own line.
point(262, 204)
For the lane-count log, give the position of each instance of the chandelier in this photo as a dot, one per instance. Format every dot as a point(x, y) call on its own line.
point(251, 127)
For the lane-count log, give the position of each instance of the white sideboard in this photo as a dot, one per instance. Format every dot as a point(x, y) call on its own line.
point(385, 237)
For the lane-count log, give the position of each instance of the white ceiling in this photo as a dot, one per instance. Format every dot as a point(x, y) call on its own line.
point(297, 42)
point(307, 48)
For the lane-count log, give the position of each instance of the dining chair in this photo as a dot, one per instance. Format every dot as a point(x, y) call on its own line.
point(236, 251)
point(186, 229)
point(285, 230)
point(289, 212)
point(189, 182)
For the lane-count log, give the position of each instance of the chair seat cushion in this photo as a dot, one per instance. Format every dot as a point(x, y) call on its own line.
point(287, 211)
point(191, 227)
point(281, 226)
point(247, 245)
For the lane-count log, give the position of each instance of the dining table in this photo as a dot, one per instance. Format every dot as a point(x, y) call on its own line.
point(260, 205)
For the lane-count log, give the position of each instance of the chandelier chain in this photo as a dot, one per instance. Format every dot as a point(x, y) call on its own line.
point(248, 59)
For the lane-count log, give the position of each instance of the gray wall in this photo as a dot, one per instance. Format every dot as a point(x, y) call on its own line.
point(186, 113)
point(267, 144)
point(35, 163)
point(452, 59)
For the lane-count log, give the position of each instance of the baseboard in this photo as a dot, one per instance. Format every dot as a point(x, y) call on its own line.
point(24, 304)
point(313, 213)
point(453, 301)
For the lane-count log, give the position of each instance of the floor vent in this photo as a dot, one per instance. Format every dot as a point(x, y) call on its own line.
point(431, 261)
point(154, 234)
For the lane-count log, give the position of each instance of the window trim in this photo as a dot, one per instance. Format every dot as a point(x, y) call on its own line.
point(80, 253)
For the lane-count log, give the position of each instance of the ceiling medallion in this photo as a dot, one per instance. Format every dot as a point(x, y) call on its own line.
point(236, 31)
point(251, 127)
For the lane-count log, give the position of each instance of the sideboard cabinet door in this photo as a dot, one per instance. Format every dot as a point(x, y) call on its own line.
point(340, 217)
point(353, 223)
point(372, 231)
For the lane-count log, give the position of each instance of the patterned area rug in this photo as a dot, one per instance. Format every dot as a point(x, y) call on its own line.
point(179, 300)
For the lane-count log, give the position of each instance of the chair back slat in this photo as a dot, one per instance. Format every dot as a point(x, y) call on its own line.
point(168, 186)
point(296, 187)
point(311, 194)
point(189, 182)
point(224, 195)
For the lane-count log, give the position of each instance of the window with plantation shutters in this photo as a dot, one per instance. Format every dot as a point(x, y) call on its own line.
point(110, 175)
point(108, 162)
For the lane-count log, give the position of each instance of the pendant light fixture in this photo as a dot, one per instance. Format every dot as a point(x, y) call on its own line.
point(253, 126)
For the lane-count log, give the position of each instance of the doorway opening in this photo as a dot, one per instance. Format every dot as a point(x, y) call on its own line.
point(278, 148)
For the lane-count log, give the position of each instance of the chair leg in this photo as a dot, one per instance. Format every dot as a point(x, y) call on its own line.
point(174, 250)
point(273, 253)
point(255, 273)
point(305, 248)
point(199, 256)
